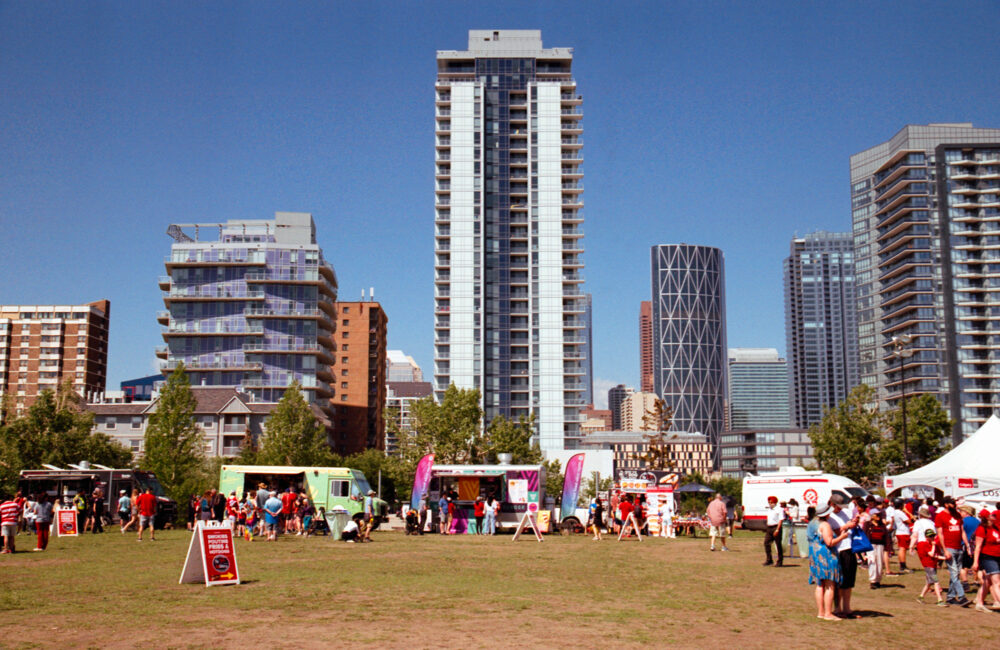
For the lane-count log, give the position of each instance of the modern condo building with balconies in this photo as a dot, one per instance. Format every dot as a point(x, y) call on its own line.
point(926, 214)
point(251, 304)
point(508, 301)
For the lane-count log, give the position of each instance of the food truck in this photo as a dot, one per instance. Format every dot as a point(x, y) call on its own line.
point(326, 486)
point(518, 487)
point(84, 477)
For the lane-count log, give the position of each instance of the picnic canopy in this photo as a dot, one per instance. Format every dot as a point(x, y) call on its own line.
point(968, 470)
point(695, 488)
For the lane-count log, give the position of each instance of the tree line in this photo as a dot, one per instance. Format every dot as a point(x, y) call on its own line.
point(57, 430)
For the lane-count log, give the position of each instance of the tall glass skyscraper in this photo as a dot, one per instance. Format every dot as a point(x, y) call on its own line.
point(251, 304)
point(820, 324)
point(689, 337)
point(758, 389)
point(508, 301)
point(926, 214)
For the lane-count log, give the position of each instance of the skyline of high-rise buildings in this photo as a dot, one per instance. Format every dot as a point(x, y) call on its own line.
point(509, 314)
point(688, 285)
point(926, 222)
point(820, 324)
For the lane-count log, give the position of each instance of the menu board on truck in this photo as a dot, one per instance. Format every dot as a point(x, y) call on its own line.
point(517, 490)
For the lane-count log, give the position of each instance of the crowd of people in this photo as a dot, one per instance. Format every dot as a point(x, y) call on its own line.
point(264, 512)
point(844, 535)
point(632, 511)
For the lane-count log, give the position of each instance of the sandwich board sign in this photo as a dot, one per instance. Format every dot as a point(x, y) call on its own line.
point(66, 523)
point(211, 557)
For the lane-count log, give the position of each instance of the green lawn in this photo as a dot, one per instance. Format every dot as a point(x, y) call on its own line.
point(109, 591)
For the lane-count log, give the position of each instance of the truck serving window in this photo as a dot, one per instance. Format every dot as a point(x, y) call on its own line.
point(339, 488)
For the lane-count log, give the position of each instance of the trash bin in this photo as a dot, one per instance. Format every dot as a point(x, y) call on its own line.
point(336, 519)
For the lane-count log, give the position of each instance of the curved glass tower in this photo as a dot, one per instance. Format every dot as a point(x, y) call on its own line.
point(689, 337)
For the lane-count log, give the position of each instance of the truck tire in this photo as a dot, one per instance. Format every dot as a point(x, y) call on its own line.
point(571, 525)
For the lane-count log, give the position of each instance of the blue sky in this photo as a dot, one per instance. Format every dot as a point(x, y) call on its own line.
point(724, 124)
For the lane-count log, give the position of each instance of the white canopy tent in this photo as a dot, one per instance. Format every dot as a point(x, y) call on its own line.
point(971, 470)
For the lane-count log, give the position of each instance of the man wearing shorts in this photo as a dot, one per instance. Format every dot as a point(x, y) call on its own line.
point(901, 531)
point(8, 523)
point(146, 503)
point(272, 515)
point(717, 518)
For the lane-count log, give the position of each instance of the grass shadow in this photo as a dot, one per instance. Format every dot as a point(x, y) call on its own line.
point(871, 613)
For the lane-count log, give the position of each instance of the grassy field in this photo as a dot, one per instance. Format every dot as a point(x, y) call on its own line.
point(109, 591)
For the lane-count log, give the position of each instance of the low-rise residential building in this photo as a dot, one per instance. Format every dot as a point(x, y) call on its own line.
point(400, 395)
point(763, 450)
point(227, 417)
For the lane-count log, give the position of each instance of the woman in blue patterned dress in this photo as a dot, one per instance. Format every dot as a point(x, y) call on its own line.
point(824, 568)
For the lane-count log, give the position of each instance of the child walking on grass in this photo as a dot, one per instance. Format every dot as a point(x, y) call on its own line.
point(929, 557)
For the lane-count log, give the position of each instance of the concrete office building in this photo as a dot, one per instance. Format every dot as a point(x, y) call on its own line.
point(926, 214)
point(42, 346)
point(616, 397)
point(646, 346)
point(689, 336)
point(509, 307)
point(402, 367)
point(251, 304)
point(758, 389)
point(358, 413)
point(820, 324)
point(634, 409)
point(764, 450)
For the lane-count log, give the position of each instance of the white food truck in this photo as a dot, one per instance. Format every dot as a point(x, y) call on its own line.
point(808, 488)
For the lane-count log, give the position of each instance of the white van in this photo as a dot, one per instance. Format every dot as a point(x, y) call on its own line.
point(808, 488)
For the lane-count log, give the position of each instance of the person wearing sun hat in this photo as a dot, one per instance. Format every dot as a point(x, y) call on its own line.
point(824, 566)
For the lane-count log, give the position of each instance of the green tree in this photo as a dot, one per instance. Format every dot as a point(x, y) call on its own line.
point(57, 431)
point(553, 479)
point(451, 430)
point(590, 491)
point(657, 421)
point(293, 435)
point(928, 429)
point(175, 445)
point(848, 440)
point(514, 438)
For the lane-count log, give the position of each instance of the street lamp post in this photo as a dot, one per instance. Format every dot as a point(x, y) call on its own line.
point(902, 351)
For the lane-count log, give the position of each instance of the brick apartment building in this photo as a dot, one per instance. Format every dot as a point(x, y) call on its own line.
point(41, 346)
point(359, 377)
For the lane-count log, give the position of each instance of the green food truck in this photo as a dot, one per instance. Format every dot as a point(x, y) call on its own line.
point(326, 486)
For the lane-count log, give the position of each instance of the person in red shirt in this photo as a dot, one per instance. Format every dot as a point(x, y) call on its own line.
point(986, 558)
point(479, 512)
point(927, 551)
point(8, 523)
point(288, 510)
point(625, 508)
point(146, 504)
point(951, 539)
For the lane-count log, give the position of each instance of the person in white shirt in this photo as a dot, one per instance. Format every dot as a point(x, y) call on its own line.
point(775, 516)
point(350, 533)
point(667, 518)
point(923, 524)
point(841, 520)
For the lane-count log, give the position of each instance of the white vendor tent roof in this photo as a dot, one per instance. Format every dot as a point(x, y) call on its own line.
point(967, 470)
